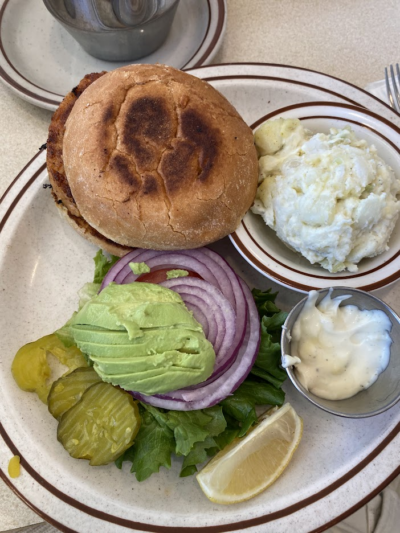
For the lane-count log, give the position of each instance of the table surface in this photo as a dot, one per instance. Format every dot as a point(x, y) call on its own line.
point(349, 39)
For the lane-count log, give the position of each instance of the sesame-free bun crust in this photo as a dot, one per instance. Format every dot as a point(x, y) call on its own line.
point(157, 158)
point(83, 228)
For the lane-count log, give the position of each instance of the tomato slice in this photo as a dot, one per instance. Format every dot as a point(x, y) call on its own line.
point(158, 276)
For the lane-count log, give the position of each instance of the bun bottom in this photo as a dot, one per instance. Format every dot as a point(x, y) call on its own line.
point(91, 235)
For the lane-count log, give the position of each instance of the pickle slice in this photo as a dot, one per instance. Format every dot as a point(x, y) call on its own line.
point(101, 426)
point(68, 390)
point(30, 367)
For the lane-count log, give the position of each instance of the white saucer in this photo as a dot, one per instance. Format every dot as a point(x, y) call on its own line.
point(41, 62)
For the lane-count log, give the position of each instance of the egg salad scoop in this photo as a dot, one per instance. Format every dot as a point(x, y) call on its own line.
point(329, 197)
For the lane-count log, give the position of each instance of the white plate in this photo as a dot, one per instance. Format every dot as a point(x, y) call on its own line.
point(259, 244)
point(339, 464)
point(378, 88)
point(41, 62)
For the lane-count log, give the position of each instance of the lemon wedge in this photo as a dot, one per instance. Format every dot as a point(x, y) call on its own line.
point(249, 465)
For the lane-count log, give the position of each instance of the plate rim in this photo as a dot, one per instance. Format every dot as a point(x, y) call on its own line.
point(222, 528)
point(52, 100)
point(290, 281)
point(12, 191)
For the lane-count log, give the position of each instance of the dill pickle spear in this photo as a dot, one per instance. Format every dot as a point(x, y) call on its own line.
point(68, 390)
point(101, 426)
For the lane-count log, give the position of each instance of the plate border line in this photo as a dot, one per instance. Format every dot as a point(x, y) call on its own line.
point(43, 515)
point(204, 38)
point(221, 14)
point(10, 80)
point(304, 69)
point(254, 521)
point(14, 181)
point(217, 35)
point(222, 528)
point(297, 285)
point(277, 78)
point(19, 195)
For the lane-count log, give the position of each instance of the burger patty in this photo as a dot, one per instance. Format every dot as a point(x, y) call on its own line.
point(55, 165)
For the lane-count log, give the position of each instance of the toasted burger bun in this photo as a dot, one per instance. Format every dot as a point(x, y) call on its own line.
point(157, 158)
point(83, 228)
point(55, 166)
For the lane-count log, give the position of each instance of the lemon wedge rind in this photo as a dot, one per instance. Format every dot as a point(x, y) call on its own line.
point(249, 465)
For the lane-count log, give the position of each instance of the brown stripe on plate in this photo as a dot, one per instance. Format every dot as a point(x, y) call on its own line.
point(204, 38)
point(333, 104)
point(205, 529)
point(166, 529)
point(216, 36)
point(260, 266)
point(285, 80)
point(252, 258)
point(20, 195)
point(20, 88)
point(18, 176)
point(210, 529)
point(363, 502)
point(283, 279)
point(278, 65)
point(12, 82)
point(43, 515)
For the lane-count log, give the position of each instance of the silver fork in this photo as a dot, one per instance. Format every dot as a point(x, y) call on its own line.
point(392, 87)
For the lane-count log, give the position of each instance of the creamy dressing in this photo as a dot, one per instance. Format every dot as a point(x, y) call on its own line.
point(336, 350)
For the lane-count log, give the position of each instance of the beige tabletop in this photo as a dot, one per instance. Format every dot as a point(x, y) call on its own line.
point(349, 39)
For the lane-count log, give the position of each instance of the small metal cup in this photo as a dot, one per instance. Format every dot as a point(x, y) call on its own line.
point(116, 30)
point(382, 394)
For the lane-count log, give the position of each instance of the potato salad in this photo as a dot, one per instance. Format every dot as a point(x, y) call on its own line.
point(329, 197)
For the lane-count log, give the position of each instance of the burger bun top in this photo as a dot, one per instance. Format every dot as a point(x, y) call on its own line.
point(157, 158)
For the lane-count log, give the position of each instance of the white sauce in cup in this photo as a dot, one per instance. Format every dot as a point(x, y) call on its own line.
point(338, 351)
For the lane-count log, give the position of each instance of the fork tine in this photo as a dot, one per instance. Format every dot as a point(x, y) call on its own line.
point(392, 87)
point(395, 89)
point(388, 89)
point(398, 73)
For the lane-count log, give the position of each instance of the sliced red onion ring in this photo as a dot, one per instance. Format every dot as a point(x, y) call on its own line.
point(227, 273)
point(221, 367)
point(227, 383)
point(240, 305)
point(119, 265)
point(228, 281)
point(223, 282)
point(224, 306)
point(212, 301)
point(210, 331)
point(208, 264)
point(211, 328)
point(160, 259)
point(126, 271)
